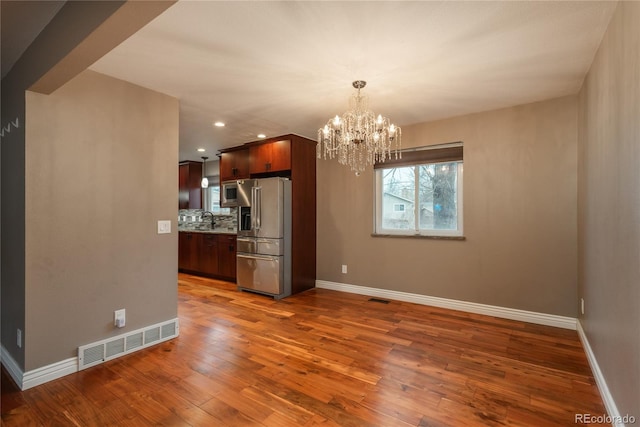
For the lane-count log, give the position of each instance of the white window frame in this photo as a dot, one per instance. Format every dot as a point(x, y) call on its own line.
point(416, 231)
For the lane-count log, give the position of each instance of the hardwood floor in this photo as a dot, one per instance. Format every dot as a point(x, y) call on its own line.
point(323, 358)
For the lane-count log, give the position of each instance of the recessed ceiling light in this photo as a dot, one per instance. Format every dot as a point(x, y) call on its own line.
point(201, 150)
point(219, 124)
point(262, 135)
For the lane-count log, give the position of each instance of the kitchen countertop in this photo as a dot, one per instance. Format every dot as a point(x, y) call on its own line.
point(207, 230)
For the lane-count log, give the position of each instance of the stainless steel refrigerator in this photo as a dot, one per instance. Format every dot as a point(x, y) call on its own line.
point(264, 236)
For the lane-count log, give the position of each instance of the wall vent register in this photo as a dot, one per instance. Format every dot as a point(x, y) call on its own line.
point(111, 348)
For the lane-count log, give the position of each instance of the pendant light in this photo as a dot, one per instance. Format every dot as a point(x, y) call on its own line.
point(205, 182)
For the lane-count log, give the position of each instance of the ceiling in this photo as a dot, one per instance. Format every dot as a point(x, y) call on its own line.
point(278, 67)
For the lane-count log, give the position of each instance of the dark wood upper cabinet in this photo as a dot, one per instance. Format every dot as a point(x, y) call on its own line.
point(190, 192)
point(234, 164)
point(270, 156)
point(183, 187)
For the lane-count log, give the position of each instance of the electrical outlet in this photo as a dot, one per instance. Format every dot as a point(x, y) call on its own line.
point(19, 338)
point(164, 227)
point(582, 305)
point(119, 318)
point(344, 268)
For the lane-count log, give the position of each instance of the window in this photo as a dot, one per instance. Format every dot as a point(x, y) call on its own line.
point(212, 197)
point(420, 194)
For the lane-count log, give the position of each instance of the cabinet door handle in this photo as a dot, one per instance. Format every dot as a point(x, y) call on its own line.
point(268, 166)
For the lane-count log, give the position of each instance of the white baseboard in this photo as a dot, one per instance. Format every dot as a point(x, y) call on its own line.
point(26, 380)
point(35, 377)
point(471, 307)
point(11, 366)
point(49, 373)
point(607, 398)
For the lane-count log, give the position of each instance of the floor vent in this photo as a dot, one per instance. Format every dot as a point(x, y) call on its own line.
point(381, 301)
point(101, 351)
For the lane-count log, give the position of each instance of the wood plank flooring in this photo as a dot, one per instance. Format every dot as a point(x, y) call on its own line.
point(323, 358)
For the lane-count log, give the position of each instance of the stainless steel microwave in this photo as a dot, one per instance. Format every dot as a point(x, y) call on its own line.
point(229, 194)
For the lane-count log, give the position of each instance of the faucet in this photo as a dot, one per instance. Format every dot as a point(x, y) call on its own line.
point(213, 218)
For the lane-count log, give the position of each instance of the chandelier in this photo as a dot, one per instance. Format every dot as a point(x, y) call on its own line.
point(359, 138)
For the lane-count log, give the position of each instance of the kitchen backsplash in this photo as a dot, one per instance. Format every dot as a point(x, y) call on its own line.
point(191, 219)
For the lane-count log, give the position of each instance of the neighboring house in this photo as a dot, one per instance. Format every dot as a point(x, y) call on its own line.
point(398, 211)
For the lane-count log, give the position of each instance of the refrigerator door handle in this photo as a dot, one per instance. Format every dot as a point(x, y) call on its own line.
point(258, 206)
point(253, 208)
point(260, 257)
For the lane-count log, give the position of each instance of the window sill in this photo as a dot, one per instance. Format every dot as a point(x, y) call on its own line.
point(420, 236)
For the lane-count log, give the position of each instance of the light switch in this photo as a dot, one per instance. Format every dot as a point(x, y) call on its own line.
point(164, 227)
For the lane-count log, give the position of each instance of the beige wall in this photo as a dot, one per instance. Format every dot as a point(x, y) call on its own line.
point(78, 34)
point(101, 170)
point(520, 190)
point(48, 49)
point(609, 207)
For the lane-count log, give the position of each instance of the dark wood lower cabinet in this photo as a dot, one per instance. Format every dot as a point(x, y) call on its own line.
point(188, 248)
point(207, 254)
point(227, 256)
